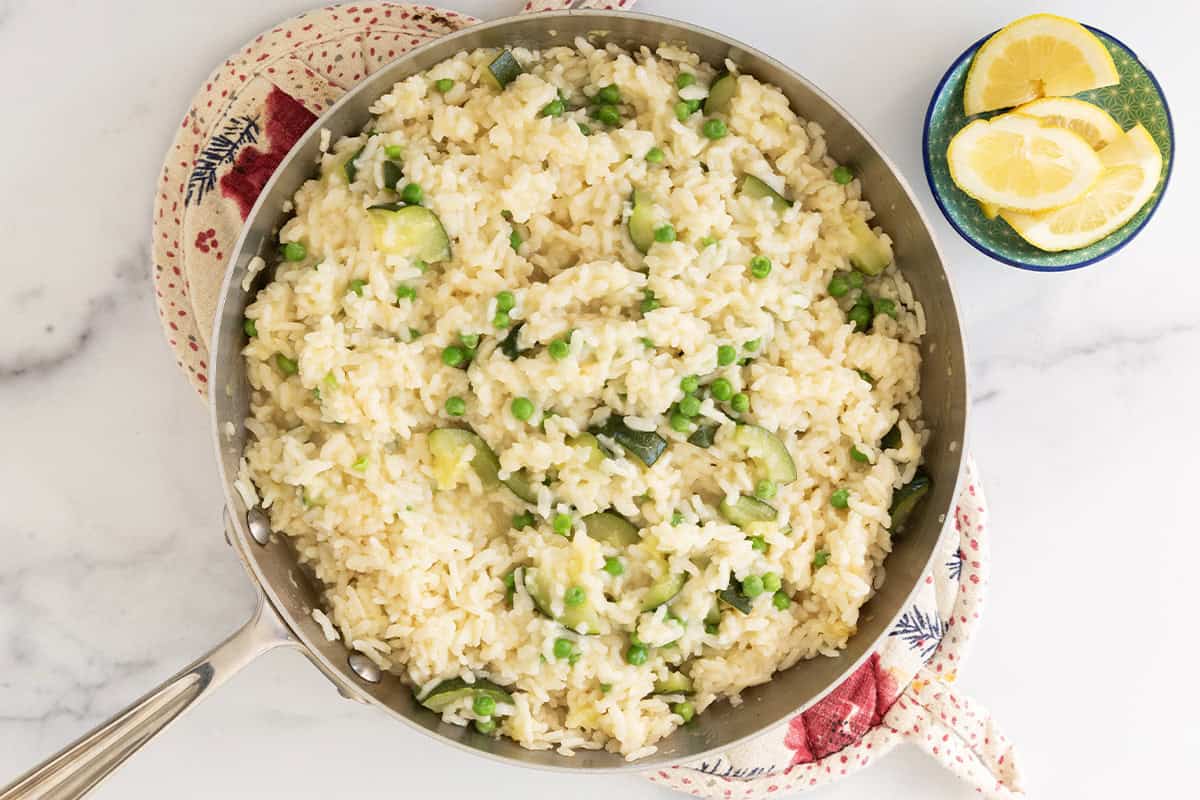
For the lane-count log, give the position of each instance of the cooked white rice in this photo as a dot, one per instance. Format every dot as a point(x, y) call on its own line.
point(414, 575)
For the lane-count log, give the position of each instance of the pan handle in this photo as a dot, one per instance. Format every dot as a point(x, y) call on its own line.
point(78, 768)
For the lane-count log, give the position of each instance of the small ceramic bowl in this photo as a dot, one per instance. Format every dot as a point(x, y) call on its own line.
point(1137, 98)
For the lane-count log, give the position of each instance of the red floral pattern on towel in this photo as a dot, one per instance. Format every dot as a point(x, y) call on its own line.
point(286, 121)
point(845, 715)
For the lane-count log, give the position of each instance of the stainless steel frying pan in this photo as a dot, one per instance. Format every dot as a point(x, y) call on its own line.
point(287, 594)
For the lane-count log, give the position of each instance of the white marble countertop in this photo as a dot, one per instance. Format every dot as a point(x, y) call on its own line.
point(113, 571)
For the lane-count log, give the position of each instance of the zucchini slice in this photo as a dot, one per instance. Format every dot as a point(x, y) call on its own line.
point(582, 619)
point(870, 254)
point(732, 594)
point(758, 188)
point(503, 70)
point(641, 221)
point(351, 167)
point(746, 511)
point(411, 231)
point(611, 528)
point(662, 590)
point(448, 692)
point(713, 617)
point(392, 173)
point(720, 94)
point(906, 498)
point(770, 455)
point(509, 344)
point(675, 683)
point(595, 450)
point(892, 439)
point(704, 435)
point(447, 445)
point(646, 446)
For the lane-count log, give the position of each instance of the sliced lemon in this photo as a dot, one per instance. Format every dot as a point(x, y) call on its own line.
point(1132, 165)
point(1042, 55)
point(990, 211)
point(1090, 121)
point(1011, 161)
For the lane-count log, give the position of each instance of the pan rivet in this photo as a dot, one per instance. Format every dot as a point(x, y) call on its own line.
point(364, 667)
point(260, 528)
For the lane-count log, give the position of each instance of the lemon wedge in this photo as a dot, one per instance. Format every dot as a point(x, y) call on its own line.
point(1132, 165)
point(1042, 55)
point(1090, 121)
point(1011, 161)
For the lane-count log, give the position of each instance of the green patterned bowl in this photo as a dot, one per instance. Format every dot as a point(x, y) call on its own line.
point(1137, 98)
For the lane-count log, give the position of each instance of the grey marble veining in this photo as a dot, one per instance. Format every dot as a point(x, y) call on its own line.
point(114, 572)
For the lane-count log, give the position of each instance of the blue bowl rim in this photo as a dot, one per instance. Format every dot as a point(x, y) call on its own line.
point(980, 246)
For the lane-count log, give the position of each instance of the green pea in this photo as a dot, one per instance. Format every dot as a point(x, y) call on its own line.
point(485, 726)
point(858, 455)
point(752, 586)
point(483, 705)
point(859, 316)
point(453, 356)
point(655, 155)
point(781, 600)
point(522, 520)
point(563, 648)
point(771, 582)
point(740, 402)
point(726, 355)
point(712, 628)
point(405, 292)
point(693, 106)
point(682, 111)
point(559, 349)
point(356, 286)
point(883, 305)
point(501, 320)
point(506, 301)
point(469, 340)
point(684, 80)
point(758, 544)
point(394, 151)
point(636, 655)
point(609, 94)
point(721, 389)
point(456, 406)
point(677, 518)
point(842, 175)
point(647, 342)
point(613, 566)
point(820, 558)
point(561, 524)
point(855, 279)
point(838, 286)
point(664, 233)
point(685, 710)
point(412, 194)
point(840, 498)
point(514, 241)
point(689, 406)
point(250, 327)
point(714, 129)
point(554, 108)
point(522, 408)
point(286, 365)
point(609, 115)
point(294, 251)
point(605, 688)
point(760, 267)
point(689, 384)
point(443, 85)
point(680, 423)
point(752, 345)
point(708, 241)
point(649, 301)
point(575, 596)
point(361, 464)
point(765, 489)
